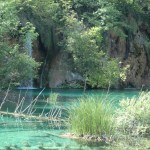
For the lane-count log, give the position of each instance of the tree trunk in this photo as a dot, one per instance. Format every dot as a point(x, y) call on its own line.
point(84, 88)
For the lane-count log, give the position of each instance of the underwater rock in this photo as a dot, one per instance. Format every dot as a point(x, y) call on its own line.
point(8, 148)
point(26, 144)
point(41, 146)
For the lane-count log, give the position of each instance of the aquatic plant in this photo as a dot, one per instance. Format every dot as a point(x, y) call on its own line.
point(53, 98)
point(91, 116)
point(133, 116)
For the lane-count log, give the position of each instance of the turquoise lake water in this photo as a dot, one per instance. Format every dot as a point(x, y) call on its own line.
point(16, 132)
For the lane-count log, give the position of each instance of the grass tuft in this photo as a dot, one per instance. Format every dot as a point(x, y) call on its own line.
point(91, 116)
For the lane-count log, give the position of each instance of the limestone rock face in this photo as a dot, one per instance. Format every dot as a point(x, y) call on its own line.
point(60, 71)
point(135, 52)
point(132, 50)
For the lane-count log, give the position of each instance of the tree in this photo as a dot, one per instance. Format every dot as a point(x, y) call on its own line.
point(15, 64)
point(85, 46)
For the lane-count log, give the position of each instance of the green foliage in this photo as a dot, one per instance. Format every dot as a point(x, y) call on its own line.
point(53, 98)
point(129, 124)
point(133, 116)
point(77, 26)
point(8, 18)
point(45, 16)
point(15, 65)
point(28, 29)
point(44, 9)
point(106, 74)
point(85, 47)
point(92, 116)
point(132, 121)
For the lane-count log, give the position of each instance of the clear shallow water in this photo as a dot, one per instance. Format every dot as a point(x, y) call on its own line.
point(31, 136)
point(14, 131)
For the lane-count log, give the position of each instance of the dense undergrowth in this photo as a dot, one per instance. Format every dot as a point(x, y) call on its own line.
point(128, 125)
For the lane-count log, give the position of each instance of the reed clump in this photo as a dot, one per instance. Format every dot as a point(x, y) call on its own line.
point(92, 116)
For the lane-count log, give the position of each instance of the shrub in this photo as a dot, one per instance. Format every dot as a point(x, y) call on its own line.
point(133, 116)
point(91, 116)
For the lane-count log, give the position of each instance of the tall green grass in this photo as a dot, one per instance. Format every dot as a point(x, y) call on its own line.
point(91, 116)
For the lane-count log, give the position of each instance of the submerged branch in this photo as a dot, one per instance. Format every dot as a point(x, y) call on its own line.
point(24, 116)
point(53, 117)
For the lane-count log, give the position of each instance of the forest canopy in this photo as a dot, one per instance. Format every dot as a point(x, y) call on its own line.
point(80, 29)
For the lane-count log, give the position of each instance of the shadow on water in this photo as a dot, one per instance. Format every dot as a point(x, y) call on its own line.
point(18, 131)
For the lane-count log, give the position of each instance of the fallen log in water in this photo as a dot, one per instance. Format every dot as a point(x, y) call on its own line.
point(23, 122)
point(32, 117)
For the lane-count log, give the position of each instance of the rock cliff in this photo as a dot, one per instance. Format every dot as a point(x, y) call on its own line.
point(132, 50)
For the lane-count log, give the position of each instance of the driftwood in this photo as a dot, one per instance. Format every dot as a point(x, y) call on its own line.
point(27, 117)
point(3, 123)
point(53, 117)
